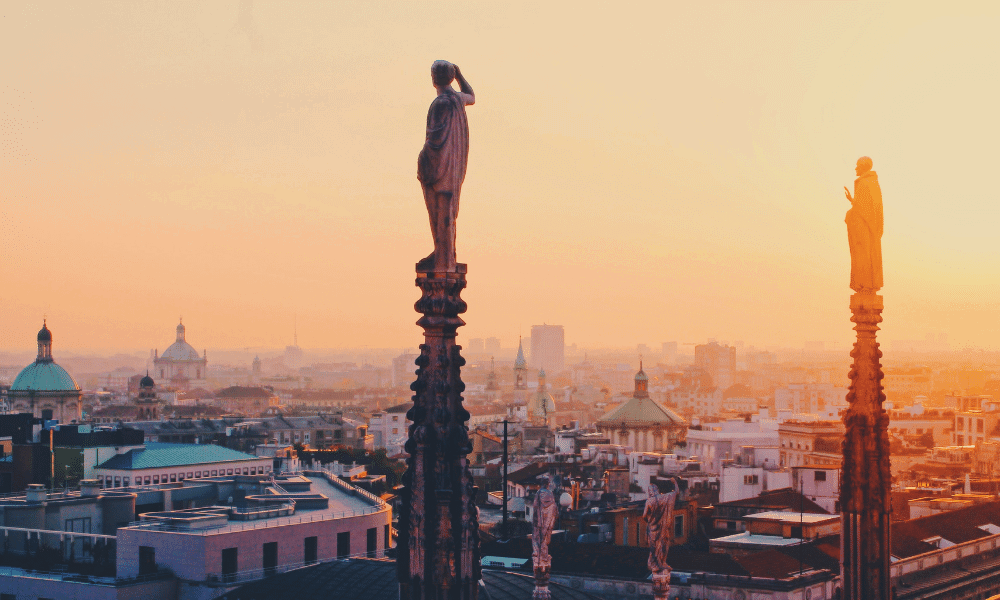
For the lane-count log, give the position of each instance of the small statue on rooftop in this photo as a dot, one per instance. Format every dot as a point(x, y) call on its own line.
point(443, 159)
point(545, 513)
point(659, 517)
point(864, 229)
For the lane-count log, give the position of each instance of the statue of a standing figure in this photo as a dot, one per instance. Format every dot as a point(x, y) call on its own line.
point(659, 517)
point(441, 164)
point(864, 229)
point(545, 512)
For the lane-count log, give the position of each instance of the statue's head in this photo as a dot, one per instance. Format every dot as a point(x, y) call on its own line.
point(442, 73)
point(864, 165)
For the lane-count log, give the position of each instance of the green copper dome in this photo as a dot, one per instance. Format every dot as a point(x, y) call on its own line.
point(44, 377)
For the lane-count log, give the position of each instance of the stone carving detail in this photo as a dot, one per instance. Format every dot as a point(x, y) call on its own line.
point(545, 512)
point(864, 491)
point(659, 516)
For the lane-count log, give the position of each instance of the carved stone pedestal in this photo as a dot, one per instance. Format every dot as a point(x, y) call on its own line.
point(864, 490)
point(438, 544)
point(661, 584)
point(543, 570)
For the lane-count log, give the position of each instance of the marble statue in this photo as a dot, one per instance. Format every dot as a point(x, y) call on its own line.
point(864, 229)
point(545, 512)
point(659, 517)
point(443, 159)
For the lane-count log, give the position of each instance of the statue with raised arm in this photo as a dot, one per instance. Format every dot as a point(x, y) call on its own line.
point(442, 161)
point(545, 512)
point(659, 516)
point(864, 229)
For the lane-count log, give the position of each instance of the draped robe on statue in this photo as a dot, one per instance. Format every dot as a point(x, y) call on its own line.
point(864, 234)
point(441, 168)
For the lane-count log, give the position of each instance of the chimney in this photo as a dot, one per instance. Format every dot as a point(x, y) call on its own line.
point(90, 487)
point(36, 493)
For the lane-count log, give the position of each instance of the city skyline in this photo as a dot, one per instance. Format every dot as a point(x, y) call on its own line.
point(241, 168)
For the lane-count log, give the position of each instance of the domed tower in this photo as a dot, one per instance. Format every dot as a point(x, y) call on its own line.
point(148, 401)
point(492, 386)
point(543, 405)
point(255, 370)
point(180, 366)
point(45, 389)
point(520, 408)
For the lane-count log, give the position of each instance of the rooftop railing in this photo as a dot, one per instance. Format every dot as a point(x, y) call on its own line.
point(231, 526)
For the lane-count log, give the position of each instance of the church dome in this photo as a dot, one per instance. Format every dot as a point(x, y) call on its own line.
point(147, 381)
point(641, 412)
point(180, 350)
point(44, 377)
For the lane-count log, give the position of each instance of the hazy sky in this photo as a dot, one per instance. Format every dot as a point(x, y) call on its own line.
point(669, 172)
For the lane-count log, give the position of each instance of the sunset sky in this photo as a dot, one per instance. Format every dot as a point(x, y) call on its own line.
point(639, 175)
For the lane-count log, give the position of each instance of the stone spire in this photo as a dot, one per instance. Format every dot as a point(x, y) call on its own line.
point(864, 492)
point(438, 545)
point(865, 502)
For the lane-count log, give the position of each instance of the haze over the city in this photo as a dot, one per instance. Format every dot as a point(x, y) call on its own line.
point(669, 174)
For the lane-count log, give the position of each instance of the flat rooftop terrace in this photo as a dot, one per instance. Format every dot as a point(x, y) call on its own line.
point(299, 498)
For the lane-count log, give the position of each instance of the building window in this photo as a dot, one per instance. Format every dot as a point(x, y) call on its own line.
point(796, 531)
point(979, 425)
point(343, 544)
point(679, 526)
point(229, 564)
point(819, 476)
point(197, 473)
point(81, 525)
point(270, 557)
point(372, 541)
point(395, 431)
point(253, 470)
point(750, 479)
point(229, 472)
point(173, 477)
point(388, 538)
point(190, 474)
point(147, 560)
point(961, 424)
point(311, 550)
point(215, 473)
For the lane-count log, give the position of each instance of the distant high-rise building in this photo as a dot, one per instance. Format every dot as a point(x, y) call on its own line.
point(669, 352)
point(476, 346)
point(404, 369)
point(548, 347)
point(718, 361)
point(493, 345)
